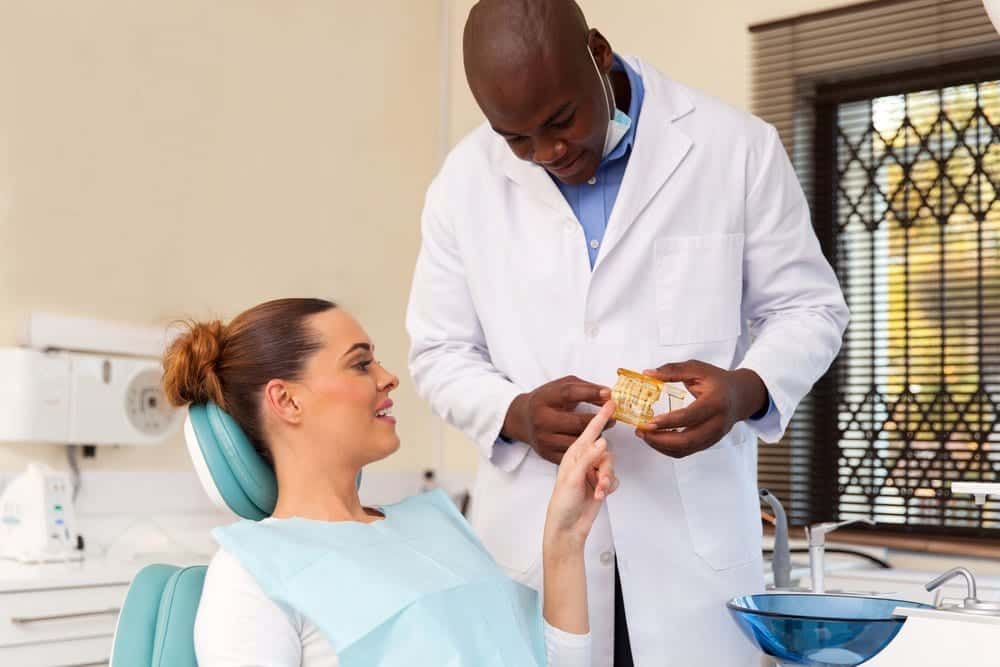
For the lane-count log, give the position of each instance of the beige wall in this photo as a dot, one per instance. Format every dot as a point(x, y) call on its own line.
point(190, 158)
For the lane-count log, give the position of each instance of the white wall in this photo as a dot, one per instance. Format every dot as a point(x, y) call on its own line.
point(190, 158)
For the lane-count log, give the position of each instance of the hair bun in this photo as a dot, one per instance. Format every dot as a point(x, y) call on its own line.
point(190, 365)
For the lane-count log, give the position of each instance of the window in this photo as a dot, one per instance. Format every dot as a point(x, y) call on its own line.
point(913, 215)
point(889, 110)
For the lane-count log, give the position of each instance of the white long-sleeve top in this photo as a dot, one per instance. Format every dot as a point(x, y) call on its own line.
point(238, 625)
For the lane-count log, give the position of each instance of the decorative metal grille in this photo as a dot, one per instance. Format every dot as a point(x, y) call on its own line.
point(915, 211)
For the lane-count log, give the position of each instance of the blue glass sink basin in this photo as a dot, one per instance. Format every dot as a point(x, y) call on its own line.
point(818, 630)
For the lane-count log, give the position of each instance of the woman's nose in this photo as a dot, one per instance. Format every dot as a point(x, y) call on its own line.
point(386, 381)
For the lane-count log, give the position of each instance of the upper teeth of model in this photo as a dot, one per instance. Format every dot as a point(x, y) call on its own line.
point(385, 412)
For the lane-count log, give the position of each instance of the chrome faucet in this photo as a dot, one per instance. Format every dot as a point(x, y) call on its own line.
point(781, 555)
point(816, 535)
point(971, 604)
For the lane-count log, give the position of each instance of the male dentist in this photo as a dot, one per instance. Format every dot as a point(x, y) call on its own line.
point(607, 216)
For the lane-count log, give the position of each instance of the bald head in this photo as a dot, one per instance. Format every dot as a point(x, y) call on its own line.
point(540, 76)
point(507, 34)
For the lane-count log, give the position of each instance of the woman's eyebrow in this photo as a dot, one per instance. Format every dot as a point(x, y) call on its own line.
point(358, 346)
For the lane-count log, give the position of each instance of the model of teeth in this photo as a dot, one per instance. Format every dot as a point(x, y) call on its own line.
point(635, 394)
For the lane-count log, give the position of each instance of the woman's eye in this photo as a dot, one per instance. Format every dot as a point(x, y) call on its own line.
point(363, 366)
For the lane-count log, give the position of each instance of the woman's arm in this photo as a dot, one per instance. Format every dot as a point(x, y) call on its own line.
point(585, 478)
point(565, 584)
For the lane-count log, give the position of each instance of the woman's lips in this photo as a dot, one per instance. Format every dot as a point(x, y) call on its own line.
point(384, 412)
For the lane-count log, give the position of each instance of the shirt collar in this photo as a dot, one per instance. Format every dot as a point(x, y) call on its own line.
point(635, 106)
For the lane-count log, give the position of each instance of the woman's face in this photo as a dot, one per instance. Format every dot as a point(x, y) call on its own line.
point(344, 394)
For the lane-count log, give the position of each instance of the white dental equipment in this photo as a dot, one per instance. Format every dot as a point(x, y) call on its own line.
point(74, 381)
point(86, 382)
point(37, 520)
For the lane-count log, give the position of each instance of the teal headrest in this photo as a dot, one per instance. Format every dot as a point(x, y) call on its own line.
point(244, 481)
point(230, 469)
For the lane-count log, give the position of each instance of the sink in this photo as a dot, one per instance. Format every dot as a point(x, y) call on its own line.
point(819, 630)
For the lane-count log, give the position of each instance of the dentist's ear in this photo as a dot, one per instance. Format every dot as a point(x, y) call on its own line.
point(281, 402)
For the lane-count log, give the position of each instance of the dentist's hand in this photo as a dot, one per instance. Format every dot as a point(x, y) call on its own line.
point(586, 476)
point(545, 417)
point(722, 398)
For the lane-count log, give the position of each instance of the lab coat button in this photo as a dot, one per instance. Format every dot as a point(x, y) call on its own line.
point(607, 558)
point(592, 331)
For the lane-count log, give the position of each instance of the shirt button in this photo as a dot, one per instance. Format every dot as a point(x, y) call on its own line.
point(592, 180)
point(592, 331)
point(594, 243)
point(607, 558)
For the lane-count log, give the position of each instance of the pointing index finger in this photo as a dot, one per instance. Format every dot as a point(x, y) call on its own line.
point(596, 425)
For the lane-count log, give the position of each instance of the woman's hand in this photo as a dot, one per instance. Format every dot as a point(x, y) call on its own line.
point(585, 478)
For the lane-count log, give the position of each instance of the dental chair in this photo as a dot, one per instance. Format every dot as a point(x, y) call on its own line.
point(156, 624)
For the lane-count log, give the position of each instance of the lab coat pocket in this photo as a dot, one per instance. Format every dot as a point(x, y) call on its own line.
point(699, 287)
point(720, 505)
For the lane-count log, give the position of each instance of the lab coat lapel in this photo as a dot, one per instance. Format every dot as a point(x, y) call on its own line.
point(659, 149)
point(535, 181)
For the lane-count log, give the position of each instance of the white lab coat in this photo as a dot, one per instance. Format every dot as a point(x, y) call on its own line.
point(709, 254)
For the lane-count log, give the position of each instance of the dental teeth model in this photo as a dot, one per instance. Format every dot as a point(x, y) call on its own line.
point(634, 395)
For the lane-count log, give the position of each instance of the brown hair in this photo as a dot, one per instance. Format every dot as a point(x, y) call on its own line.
point(231, 364)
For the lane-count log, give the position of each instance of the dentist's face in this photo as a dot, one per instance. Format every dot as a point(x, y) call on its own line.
point(344, 394)
point(554, 113)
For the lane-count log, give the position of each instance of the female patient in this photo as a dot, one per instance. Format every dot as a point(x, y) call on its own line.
point(327, 581)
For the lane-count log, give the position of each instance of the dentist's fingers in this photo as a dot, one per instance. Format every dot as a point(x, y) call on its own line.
point(684, 371)
point(569, 423)
point(573, 393)
point(693, 415)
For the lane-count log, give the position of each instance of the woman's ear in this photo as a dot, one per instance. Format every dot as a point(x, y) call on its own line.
point(279, 396)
